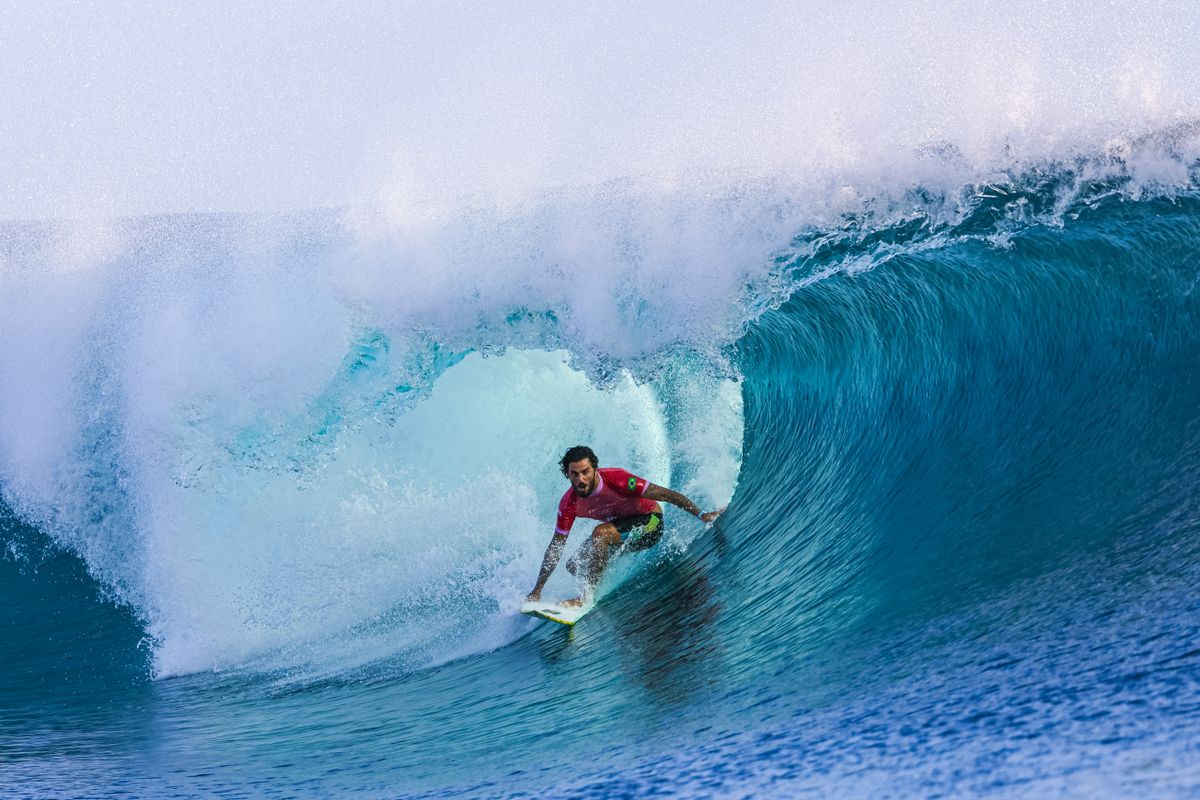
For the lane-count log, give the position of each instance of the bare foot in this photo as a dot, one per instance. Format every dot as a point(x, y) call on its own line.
point(578, 601)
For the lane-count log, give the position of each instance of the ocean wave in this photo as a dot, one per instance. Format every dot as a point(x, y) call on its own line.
point(272, 436)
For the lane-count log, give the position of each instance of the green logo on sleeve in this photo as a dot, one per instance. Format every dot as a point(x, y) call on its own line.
point(632, 483)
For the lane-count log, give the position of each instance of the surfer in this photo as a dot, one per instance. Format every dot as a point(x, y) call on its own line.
point(629, 510)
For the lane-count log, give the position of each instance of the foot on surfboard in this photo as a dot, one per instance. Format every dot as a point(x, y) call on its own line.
point(556, 610)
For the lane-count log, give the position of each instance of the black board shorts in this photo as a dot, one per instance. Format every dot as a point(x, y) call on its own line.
point(645, 528)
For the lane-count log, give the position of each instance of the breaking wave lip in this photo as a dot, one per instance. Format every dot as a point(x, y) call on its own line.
point(310, 341)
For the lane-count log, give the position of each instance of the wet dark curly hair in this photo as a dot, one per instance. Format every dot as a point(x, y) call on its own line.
point(577, 453)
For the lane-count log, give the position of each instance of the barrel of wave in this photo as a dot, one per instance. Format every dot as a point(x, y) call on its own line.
point(448, 507)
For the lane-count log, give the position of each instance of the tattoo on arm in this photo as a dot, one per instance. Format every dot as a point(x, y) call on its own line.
point(662, 493)
point(550, 560)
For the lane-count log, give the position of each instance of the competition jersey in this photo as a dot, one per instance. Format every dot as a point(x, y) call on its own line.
point(618, 494)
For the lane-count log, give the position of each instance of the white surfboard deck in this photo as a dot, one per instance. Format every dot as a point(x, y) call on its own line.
point(555, 611)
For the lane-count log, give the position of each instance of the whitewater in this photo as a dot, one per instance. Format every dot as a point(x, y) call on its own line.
point(286, 298)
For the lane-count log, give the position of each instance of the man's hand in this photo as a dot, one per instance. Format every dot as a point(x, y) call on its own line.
point(711, 515)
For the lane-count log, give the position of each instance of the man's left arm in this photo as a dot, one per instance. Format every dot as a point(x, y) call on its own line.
point(665, 495)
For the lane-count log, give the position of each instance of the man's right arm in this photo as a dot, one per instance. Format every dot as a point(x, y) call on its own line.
point(549, 562)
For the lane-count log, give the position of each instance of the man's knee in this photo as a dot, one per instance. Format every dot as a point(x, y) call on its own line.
point(606, 533)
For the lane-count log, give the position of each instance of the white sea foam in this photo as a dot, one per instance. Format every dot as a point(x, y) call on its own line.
point(236, 108)
point(270, 482)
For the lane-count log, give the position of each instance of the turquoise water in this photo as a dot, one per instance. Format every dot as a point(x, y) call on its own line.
point(960, 434)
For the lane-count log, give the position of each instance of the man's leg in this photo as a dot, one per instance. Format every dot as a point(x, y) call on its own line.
point(604, 538)
point(593, 556)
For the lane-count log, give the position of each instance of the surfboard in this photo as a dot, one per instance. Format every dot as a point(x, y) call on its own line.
point(555, 611)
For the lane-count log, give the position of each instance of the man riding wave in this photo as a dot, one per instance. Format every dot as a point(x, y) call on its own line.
point(629, 510)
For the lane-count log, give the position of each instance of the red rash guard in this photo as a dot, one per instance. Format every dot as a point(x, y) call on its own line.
point(618, 494)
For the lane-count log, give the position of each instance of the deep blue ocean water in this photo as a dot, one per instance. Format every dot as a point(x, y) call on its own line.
point(960, 433)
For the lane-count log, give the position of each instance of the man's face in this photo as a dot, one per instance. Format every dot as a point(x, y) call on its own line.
point(582, 476)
